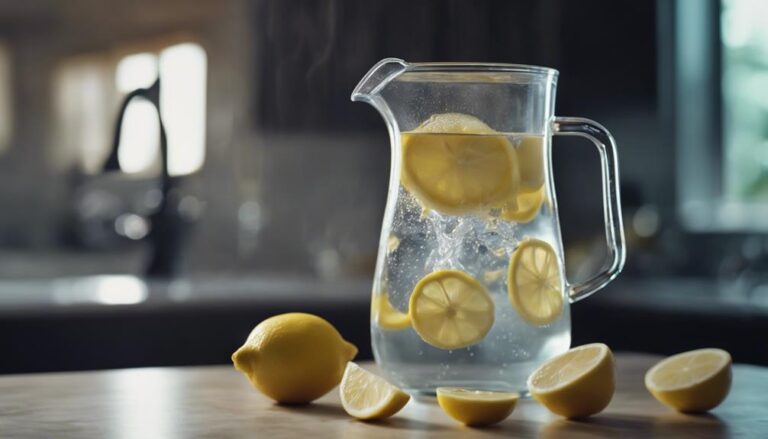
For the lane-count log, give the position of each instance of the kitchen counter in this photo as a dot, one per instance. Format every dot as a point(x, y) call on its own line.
point(217, 401)
point(123, 321)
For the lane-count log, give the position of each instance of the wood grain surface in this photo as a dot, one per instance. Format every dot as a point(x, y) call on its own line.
point(218, 402)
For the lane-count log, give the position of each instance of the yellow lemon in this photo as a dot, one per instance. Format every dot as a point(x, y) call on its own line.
point(294, 358)
point(534, 283)
point(450, 309)
point(530, 155)
point(476, 408)
point(387, 316)
point(366, 396)
point(575, 384)
point(691, 382)
point(525, 207)
point(456, 164)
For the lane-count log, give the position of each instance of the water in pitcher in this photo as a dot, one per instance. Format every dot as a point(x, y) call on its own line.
point(461, 235)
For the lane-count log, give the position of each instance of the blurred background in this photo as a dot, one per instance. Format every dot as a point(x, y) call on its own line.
point(264, 189)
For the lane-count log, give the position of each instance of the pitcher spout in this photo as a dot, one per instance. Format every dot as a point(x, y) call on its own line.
point(377, 78)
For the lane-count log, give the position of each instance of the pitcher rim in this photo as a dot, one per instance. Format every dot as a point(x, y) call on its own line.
point(479, 67)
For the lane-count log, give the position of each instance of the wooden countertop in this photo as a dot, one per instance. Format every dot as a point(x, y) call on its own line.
point(218, 402)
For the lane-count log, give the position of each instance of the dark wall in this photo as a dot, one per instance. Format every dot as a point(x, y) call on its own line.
point(312, 53)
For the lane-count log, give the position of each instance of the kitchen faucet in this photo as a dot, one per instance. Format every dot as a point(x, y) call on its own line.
point(168, 226)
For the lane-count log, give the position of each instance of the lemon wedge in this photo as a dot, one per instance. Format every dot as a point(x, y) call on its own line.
point(455, 163)
point(387, 316)
point(450, 309)
point(575, 384)
point(476, 408)
point(366, 396)
point(534, 283)
point(691, 382)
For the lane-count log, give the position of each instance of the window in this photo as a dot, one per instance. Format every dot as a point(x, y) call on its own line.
point(744, 31)
point(88, 92)
point(721, 113)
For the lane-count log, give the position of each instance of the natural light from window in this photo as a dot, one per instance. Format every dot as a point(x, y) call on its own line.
point(745, 98)
point(140, 135)
point(182, 69)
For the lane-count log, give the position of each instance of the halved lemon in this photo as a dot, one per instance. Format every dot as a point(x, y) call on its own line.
point(534, 283)
point(455, 164)
point(530, 155)
point(366, 396)
point(450, 309)
point(476, 407)
point(525, 208)
point(691, 382)
point(387, 316)
point(575, 384)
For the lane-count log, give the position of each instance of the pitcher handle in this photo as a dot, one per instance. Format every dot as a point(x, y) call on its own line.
point(614, 228)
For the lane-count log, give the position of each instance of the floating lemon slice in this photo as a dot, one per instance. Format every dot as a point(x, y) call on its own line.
point(530, 155)
point(534, 283)
point(525, 208)
point(457, 123)
point(455, 163)
point(450, 310)
point(476, 407)
point(387, 316)
point(575, 384)
point(366, 396)
point(691, 382)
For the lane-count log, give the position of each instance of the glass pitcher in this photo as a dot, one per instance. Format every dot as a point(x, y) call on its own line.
point(470, 287)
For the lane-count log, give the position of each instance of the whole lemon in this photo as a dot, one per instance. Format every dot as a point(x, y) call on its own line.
point(294, 358)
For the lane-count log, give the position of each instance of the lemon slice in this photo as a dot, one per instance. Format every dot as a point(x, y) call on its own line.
point(575, 384)
point(525, 208)
point(457, 123)
point(476, 407)
point(691, 382)
point(456, 164)
point(366, 396)
point(530, 155)
point(387, 316)
point(449, 309)
point(534, 284)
